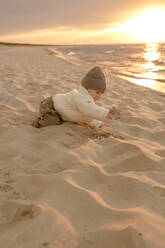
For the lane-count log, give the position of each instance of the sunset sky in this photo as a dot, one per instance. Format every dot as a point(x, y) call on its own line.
point(82, 21)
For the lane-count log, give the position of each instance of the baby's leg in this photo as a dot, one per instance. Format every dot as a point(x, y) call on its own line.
point(49, 115)
point(46, 120)
point(46, 106)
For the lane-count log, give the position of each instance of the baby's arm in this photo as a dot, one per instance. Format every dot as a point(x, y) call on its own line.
point(88, 108)
point(97, 124)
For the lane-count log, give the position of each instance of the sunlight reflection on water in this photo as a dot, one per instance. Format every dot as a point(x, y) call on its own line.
point(149, 77)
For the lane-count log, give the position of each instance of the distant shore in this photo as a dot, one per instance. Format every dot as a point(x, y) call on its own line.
point(22, 44)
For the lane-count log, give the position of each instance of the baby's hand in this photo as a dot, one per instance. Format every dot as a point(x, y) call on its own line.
point(109, 116)
point(96, 124)
point(113, 113)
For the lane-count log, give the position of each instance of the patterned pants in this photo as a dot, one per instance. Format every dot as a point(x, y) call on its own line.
point(48, 114)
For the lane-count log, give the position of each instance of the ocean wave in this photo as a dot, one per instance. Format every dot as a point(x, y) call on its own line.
point(159, 62)
point(110, 51)
point(69, 58)
point(137, 76)
point(71, 53)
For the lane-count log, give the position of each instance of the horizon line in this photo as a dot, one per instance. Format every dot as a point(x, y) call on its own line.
point(33, 44)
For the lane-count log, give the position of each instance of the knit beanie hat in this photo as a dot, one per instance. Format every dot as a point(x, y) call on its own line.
point(94, 79)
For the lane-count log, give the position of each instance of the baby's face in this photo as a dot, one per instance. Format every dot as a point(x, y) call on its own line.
point(96, 94)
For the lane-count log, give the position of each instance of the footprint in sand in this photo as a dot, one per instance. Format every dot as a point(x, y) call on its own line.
point(4, 187)
point(13, 211)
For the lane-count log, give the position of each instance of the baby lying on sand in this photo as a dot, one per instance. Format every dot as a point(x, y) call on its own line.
point(78, 105)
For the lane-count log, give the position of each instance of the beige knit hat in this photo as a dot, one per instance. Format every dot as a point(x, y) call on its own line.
point(94, 79)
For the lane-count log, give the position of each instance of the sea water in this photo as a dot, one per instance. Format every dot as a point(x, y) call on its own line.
point(142, 64)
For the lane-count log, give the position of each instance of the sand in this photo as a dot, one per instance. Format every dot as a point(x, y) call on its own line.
point(66, 186)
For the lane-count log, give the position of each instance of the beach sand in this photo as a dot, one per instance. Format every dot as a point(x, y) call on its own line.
point(67, 186)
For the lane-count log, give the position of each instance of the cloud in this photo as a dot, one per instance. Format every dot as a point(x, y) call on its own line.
point(18, 16)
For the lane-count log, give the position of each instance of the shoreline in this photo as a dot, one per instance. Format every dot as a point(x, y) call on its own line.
point(156, 84)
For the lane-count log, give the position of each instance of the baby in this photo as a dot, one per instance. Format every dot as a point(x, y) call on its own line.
point(78, 105)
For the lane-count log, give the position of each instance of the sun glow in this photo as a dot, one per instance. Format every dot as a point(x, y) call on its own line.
point(147, 27)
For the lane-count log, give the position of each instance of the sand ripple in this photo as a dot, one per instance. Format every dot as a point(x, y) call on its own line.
point(66, 186)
